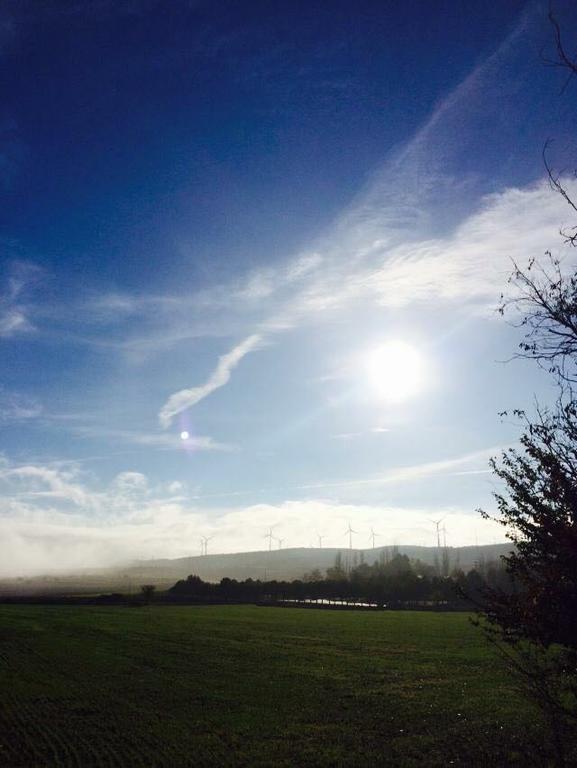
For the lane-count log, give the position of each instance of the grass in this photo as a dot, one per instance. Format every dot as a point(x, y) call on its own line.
point(250, 686)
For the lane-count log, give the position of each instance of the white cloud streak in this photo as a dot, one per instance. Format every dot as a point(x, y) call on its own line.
point(18, 407)
point(398, 475)
point(161, 441)
point(19, 278)
point(186, 398)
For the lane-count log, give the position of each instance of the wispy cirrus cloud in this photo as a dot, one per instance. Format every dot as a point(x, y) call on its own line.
point(18, 407)
point(186, 398)
point(471, 265)
point(472, 463)
point(402, 474)
point(466, 267)
point(360, 433)
point(12, 322)
point(20, 278)
point(161, 441)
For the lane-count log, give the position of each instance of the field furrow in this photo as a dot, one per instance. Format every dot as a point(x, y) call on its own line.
point(232, 686)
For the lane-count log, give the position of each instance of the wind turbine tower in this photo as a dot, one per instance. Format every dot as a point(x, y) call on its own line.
point(373, 536)
point(446, 560)
point(270, 537)
point(350, 532)
point(437, 524)
point(206, 540)
point(438, 565)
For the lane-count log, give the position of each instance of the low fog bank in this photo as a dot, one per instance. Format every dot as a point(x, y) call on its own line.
point(53, 521)
point(280, 565)
point(35, 548)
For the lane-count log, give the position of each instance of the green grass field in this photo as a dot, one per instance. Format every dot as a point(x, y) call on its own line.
point(250, 686)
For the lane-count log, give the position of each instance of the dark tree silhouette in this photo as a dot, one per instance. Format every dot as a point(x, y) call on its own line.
point(395, 583)
point(539, 511)
point(535, 622)
point(147, 591)
point(545, 298)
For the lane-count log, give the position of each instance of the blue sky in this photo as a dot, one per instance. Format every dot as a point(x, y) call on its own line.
point(213, 215)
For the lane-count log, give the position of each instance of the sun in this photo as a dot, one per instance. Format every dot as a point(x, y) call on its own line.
point(395, 371)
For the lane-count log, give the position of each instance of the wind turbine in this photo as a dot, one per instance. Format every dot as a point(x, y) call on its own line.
point(437, 524)
point(206, 540)
point(280, 541)
point(373, 536)
point(270, 537)
point(445, 560)
point(320, 538)
point(350, 532)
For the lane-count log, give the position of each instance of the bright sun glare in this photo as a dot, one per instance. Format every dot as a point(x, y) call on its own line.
point(395, 371)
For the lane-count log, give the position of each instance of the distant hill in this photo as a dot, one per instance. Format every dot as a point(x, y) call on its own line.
point(294, 563)
point(283, 564)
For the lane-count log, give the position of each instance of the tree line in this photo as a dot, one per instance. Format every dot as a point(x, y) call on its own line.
point(395, 582)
